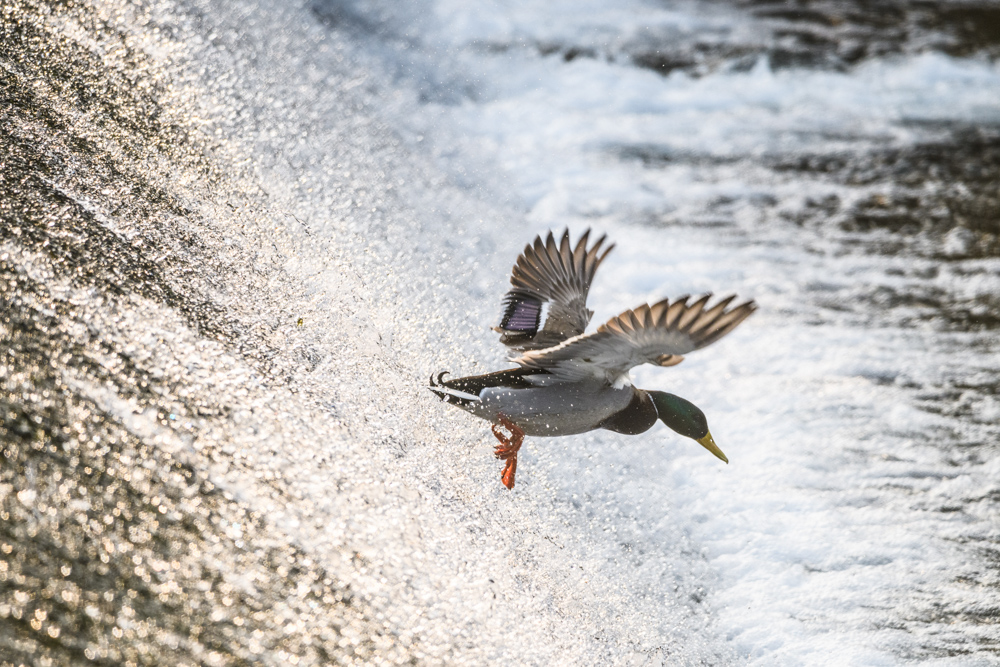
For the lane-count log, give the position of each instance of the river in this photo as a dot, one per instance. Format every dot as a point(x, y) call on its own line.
point(236, 238)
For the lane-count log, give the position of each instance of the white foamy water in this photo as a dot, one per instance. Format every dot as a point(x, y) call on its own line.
point(406, 155)
point(839, 533)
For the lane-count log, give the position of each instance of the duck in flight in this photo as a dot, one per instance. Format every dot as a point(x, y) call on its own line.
point(567, 381)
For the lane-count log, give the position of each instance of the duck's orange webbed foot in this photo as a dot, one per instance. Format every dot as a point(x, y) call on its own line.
point(508, 448)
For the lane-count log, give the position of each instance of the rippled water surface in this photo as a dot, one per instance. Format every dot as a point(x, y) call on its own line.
point(235, 238)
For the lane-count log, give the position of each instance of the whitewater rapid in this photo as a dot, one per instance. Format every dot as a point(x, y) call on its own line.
point(842, 532)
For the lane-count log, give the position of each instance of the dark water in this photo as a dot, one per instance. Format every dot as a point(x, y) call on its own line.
point(116, 545)
point(834, 35)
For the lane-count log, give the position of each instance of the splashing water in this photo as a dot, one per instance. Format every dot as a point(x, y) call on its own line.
point(237, 237)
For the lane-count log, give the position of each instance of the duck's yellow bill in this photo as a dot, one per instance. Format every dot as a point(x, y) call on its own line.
point(708, 443)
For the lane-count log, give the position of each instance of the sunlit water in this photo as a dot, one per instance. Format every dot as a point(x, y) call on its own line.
point(323, 212)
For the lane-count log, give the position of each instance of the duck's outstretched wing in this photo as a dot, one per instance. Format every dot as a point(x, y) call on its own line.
point(657, 334)
point(547, 302)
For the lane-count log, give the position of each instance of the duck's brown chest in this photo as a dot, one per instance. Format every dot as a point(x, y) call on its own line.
point(637, 417)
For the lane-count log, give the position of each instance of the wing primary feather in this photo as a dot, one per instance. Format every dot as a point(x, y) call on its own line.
point(540, 245)
point(709, 316)
point(692, 312)
point(658, 310)
point(736, 313)
point(613, 325)
point(675, 310)
point(623, 322)
point(635, 318)
point(647, 318)
point(601, 258)
point(593, 260)
point(728, 322)
point(525, 275)
point(566, 253)
point(551, 249)
point(580, 255)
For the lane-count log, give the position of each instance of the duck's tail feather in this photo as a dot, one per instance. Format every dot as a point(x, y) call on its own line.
point(450, 394)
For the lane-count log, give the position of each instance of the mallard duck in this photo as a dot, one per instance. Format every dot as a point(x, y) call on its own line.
point(567, 381)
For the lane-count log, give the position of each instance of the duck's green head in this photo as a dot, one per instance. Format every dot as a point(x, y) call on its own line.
point(684, 417)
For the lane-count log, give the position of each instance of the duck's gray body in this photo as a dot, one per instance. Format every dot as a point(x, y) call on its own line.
point(561, 409)
point(542, 406)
